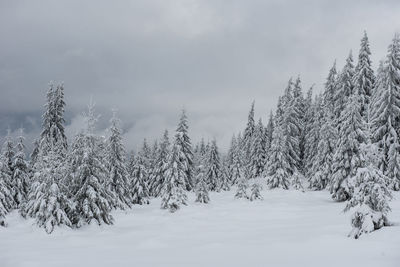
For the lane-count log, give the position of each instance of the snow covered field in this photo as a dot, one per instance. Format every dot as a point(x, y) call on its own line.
point(287, 228)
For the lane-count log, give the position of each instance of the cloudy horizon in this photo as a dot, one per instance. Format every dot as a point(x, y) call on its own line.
point(150, 59)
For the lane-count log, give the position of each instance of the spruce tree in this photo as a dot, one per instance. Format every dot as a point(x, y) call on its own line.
point(47, 202)
point(241, 191)
point(6, 171)
point(385, 115)
point(139, 189)
point(53, 132)
point(228, 163)
point(371, 195)
point(313, 137)
point(364, 77)
point(160, 165)
point(185, 148)
point(291, 128)
point(7, 202)
point(329, 94)
point(202, 195)
point(297, 181)
point(347, 158)
point(213, 168)
point(269, 130)
point(256, 192)
point(145, 153)
point(236, 167)
point(115, 158)
point(92, 196)
point(278, 172)
point(321, 170)
point(20, 178)
point(173, 194)
point(225, 178)
point(322, 165)
point(258, 153)
point(247, 140)
point(344, 87)
point(298, 117)
point(5, 198)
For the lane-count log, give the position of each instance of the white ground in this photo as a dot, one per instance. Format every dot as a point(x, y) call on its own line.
point(288, 228)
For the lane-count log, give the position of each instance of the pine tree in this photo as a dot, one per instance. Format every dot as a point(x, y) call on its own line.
point(256, 192)
point(291, 128)
point(278, 166)
point(47, 201)
point(297, 181)
point(6, 172)
point(313, 137)
point(322, 165)
point(247, 139)
point(329, 94)
point(236, 167)
point(160, 165)
point(347, 158)
point(299, 119)
point(228, 163)
point(115, 158)
point(364, 77)
point(202, 195)
point(145, 153)
point(269, 130)
point(225, 178)
point(20, 178)
point(139, 190)
point(344, 87)
point(6, 197)
point(258, 153)
point(93, 198)
point(185, 148)
point(371, 195)
point(241, 191)
point(385, 111)
point(213, 168)
point(173, 194)
point(34, 155)
point(53, 132)
point(152, 168)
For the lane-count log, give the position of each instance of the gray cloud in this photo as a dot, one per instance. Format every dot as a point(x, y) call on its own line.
point(150, 59)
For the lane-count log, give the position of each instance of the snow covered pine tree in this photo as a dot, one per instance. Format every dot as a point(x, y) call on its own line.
point(174, 195)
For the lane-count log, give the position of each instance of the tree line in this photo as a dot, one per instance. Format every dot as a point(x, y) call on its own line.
point(344, 139)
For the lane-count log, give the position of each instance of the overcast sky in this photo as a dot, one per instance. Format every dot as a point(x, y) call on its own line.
point(151, 58)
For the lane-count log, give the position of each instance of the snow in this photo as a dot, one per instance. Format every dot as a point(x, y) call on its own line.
point(287, 228)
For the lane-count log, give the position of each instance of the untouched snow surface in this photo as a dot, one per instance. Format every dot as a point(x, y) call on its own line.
point(287, 228)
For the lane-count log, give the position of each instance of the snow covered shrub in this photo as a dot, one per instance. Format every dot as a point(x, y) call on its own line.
point(297, 181)
point(370, 199)
point(242, 188)
point(47, 201)
point(256, 192)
